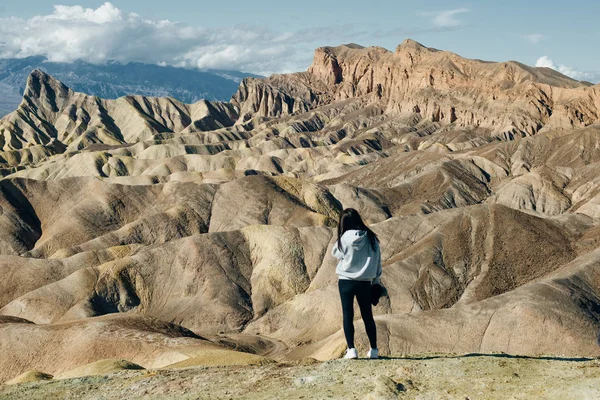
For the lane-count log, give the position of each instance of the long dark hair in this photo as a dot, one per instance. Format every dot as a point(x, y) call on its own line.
point(351, 220)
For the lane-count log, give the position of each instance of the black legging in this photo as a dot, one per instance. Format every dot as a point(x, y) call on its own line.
point(362, 291)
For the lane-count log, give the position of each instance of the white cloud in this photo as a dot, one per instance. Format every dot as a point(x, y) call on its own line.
point(534, 38)
point(72, 33)
point(547, 62)
point(447, 18)
point(103, 14)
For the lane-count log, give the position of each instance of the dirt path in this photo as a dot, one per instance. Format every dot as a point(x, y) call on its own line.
point(464, 377)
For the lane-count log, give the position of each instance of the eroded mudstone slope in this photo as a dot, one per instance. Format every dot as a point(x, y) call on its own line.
point(162, 233)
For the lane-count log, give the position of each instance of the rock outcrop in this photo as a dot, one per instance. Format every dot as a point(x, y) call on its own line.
point(508, 99)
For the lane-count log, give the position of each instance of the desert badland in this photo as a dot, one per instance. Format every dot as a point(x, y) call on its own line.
point(171, 234)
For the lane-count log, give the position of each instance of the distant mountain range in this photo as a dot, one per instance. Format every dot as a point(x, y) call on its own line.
point(114, 80)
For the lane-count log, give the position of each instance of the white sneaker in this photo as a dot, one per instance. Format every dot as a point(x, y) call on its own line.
point(373, 353)
point(351, 353)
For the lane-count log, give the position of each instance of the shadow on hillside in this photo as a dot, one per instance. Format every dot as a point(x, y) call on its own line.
point(433, 357)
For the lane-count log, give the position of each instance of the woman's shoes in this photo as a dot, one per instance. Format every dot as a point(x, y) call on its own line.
point(373, 353)
point(351, 354)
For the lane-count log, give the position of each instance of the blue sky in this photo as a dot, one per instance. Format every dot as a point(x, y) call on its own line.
point(275, 36)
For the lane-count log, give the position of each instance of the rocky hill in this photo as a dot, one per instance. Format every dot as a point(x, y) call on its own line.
point(159, 232)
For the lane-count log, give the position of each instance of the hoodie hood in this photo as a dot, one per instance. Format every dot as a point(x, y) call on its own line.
point(355, 239)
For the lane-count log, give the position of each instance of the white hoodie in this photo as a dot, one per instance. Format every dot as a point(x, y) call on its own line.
point(357, 259)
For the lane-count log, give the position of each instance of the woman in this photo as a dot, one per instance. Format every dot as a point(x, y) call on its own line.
point(359, 266)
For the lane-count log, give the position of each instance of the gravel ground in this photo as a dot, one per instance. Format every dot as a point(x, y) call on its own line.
point(428, 377)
